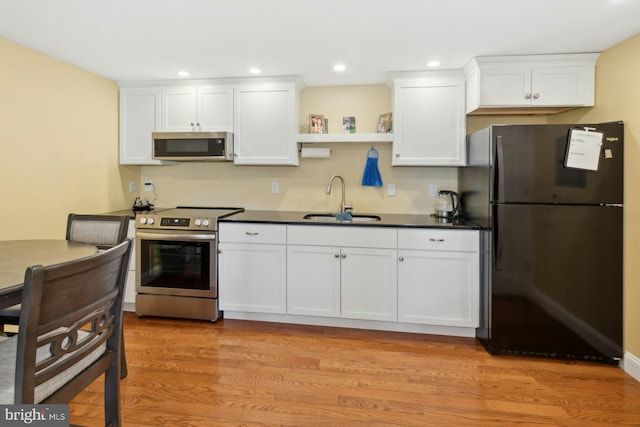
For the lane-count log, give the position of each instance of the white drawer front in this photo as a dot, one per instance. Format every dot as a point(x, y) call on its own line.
point(252, 233)
point(343, 235)
point(439, 239)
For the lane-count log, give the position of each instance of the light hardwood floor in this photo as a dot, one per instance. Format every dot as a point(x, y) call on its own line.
point(240, 373)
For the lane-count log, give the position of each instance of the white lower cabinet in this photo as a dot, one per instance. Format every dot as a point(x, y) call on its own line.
point(369, 284)
point(347, 272)
point(405, 279)
point(313, 280)
point(438, 277)
point(130, 285)
point(252, 268)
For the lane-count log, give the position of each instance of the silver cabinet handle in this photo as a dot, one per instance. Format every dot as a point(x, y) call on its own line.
point(431, 239)
point(401, 258)
point(344, 255)
point(536, 95)
point(251, 234)
point(527, 96)
point(337, 255)
point(397, 154)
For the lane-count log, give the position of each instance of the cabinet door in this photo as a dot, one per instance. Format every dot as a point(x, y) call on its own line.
point(130, 286)
point(139, 117)
point(215, 109)
point(179, 109)
point(429, 123)
point(505, 87)
point(369, 284)
point(438, 288)
point(252, 277)
point(313, 280)
point(559, 86)
point(265, 120)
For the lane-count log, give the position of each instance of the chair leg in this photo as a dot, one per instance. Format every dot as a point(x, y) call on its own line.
point(123, 359)
point(112, 397)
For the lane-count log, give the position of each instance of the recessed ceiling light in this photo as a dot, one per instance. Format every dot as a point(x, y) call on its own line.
point(255, 70)
point(339, 67)
point(432, 64)
point(184, 73)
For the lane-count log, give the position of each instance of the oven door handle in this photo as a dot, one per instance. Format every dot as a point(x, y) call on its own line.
point(180, 235)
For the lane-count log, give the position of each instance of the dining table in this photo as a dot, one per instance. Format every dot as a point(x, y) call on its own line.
point(17, 255)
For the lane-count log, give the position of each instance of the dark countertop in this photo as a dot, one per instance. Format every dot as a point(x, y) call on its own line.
point(386, 220)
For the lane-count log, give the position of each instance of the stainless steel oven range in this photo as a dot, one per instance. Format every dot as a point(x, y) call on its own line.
point(177, 262)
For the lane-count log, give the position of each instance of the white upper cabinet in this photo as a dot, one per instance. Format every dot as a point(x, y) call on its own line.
point(542, 84)
point(429, 123)
point(197, 109)
point(265, 124)
point(139, 117)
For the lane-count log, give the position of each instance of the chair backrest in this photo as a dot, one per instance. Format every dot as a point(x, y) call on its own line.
point(103, 231)
point(70, 333)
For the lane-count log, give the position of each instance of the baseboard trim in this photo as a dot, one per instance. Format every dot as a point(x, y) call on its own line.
point(632, 365)
point(339, 322)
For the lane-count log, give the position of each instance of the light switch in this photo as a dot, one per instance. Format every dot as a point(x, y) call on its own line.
point(391, 189)
point(275, 187)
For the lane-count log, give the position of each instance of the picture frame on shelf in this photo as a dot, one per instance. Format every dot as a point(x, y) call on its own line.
point(385, 123)
point(316, 123)
point(349, 124)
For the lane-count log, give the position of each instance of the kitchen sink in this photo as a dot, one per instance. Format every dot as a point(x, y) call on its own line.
point(332, 217)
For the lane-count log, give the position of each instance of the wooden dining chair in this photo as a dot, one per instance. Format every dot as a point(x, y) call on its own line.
point(70, 334)
point(103, 231)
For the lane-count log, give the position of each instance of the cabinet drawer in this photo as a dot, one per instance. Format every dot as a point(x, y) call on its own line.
point(343, 235)
point(439, 239)
point(253, 233)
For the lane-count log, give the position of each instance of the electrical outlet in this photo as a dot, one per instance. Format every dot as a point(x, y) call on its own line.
point(148, 186)
point(433, 190)
point(275, 187)
point(132, 186)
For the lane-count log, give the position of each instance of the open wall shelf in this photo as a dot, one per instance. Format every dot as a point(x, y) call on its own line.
point(344, 137)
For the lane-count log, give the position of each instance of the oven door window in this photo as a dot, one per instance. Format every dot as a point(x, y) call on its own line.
point(176, 264)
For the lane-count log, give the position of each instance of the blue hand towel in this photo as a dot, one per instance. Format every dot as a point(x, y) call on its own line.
point(371, 176)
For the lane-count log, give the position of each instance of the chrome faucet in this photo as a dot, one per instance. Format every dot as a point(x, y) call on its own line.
point(343, 206)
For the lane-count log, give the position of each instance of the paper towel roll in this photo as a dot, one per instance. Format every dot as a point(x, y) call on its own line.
point(318, 153)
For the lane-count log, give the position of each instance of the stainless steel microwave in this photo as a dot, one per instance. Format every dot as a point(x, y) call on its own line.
point(193, 146)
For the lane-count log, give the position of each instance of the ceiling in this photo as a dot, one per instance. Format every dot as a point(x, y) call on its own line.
point(135, 40)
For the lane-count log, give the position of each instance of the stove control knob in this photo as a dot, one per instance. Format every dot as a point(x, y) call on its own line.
point(198, 222)
point(206, 222)
point(151, 221)
point(143, 220)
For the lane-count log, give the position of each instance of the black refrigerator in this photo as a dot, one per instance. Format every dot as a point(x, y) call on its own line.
point(552, 238)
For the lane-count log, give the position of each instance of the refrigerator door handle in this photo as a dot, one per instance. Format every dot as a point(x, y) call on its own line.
point(497, 246)
point(498, 190)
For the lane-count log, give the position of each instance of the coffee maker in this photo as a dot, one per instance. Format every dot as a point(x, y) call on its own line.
point(447, 205)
